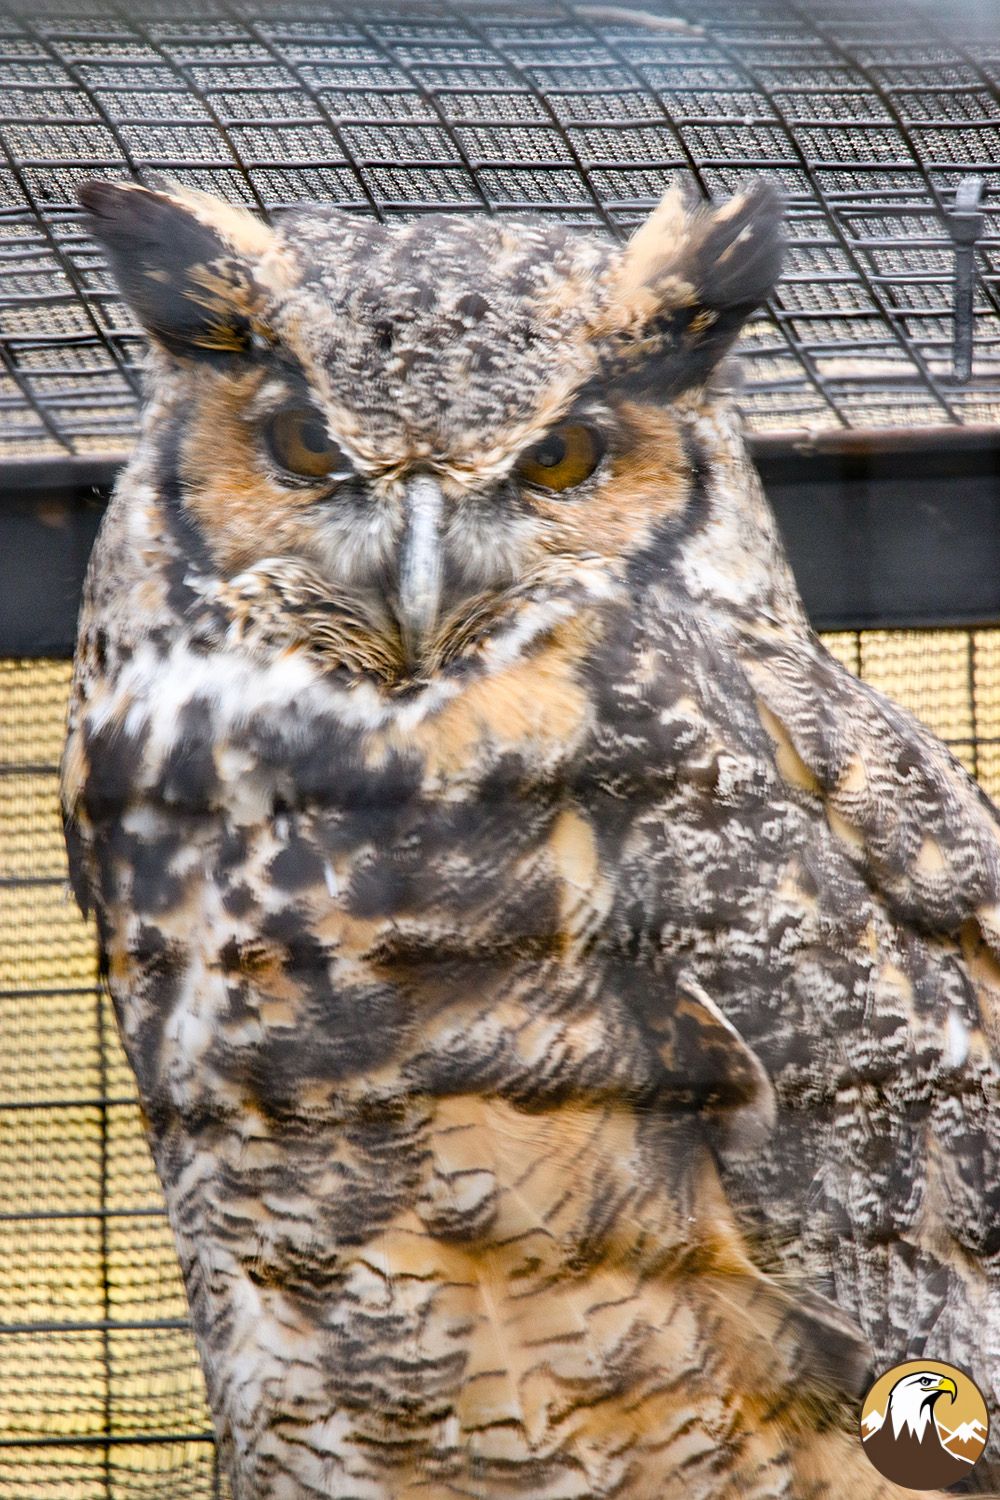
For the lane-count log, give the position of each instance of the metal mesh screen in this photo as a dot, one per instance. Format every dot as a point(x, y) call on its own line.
point(871, 117)
point(100, 1392)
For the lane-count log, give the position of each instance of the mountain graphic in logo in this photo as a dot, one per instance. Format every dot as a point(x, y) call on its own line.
point(966, 1441)
point(924, 1424)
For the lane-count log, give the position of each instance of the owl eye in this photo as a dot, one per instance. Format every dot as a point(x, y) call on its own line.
point(299, 442)
point(564, 458)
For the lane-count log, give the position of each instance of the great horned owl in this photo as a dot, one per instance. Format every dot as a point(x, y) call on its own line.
point(563, 999)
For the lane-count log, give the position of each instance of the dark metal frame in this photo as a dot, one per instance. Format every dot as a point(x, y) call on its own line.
point(899, 529)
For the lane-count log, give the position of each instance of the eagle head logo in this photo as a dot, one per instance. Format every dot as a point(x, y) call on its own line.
point(924, 1427)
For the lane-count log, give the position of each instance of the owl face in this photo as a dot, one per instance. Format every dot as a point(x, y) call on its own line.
point(428, 423)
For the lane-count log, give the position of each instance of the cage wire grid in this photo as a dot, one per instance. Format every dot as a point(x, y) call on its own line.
point(874, 121)
point(871, 119)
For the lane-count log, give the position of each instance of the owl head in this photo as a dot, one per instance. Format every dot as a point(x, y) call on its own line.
point(392, 437)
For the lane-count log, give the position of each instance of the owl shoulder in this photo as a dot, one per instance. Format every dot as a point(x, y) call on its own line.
point(908, 814)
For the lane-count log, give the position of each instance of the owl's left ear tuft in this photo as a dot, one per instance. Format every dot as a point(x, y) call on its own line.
point(685, 284)
point(184, 262)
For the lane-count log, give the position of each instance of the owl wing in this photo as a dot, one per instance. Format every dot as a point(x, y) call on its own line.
point(924, 833)
point(77, 829)
point(908, 1177)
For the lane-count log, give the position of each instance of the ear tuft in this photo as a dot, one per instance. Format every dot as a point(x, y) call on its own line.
point(648, 251)
point(686, 283)
point(184, 263)
point(740, 250)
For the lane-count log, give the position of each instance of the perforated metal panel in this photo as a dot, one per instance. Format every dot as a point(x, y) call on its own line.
point(871, 118)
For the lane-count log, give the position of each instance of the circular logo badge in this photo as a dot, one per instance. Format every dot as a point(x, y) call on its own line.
point(924, 1424)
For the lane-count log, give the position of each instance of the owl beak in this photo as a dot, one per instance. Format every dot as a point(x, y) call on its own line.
point(420, 566)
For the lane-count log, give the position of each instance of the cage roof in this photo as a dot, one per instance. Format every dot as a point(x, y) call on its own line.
point(880, 123)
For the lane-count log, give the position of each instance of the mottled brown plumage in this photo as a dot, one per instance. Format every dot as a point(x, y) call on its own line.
point(563, 999)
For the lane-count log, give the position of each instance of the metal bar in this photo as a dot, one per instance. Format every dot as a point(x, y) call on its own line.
point(966, 223)
point(53, 1216)
point(922, 545)
point(46, 990)
point(886, 97)
point(97, 1102)
point(108, 1440)
point(93, 1325)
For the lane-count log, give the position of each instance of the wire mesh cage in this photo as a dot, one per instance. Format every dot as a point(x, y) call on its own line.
point(882, 126)
point(878, 140)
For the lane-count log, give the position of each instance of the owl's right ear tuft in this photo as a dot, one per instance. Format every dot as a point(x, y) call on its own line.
point(686, 282)
point(184, 263)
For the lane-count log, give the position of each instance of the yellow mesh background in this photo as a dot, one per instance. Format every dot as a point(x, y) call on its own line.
point(100, 1393)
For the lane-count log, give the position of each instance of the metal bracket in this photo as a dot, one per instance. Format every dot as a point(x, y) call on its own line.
point(966, 225)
